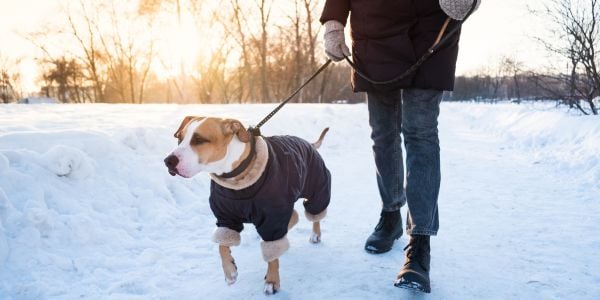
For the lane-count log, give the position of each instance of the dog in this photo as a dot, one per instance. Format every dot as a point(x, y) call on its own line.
point(254, 180)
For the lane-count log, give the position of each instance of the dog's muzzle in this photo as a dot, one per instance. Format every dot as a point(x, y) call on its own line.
point(171, 162)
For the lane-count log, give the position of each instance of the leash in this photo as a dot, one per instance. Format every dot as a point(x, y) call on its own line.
point(255, 131)
point(441, 39)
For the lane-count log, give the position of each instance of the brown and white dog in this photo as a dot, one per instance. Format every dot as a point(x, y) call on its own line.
point(254, 180)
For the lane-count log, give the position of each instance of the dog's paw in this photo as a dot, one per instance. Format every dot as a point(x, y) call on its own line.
point(271, 288)
point(230, 271)
point(315, 238)
point(231, 278)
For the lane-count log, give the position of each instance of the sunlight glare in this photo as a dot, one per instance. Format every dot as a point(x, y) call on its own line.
point(180, 49)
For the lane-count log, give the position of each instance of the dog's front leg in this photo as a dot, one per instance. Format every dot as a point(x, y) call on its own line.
point(272, 251)
point(228, 263)
point(272, 282)
point(227, 238)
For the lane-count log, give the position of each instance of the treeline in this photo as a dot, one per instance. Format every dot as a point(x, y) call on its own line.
point(251, 51)
point(520, 87)
point(573, 77)
point(523, 86)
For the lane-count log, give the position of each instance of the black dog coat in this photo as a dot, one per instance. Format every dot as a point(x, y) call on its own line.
point(294, 170)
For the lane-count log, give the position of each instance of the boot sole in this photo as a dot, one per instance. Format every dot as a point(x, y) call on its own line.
point(381, 251)
point(413, 286)
point(376, 251)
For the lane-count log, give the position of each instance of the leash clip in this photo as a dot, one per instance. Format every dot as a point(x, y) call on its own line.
point(255, 131)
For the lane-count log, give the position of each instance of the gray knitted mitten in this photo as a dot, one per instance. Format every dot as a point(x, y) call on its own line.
point(458, 9)
point(335, 44)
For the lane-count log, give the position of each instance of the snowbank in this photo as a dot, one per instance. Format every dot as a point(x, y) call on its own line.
point(552, 136)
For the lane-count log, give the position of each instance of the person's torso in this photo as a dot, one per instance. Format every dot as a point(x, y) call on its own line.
point(389, 36)
point(374, 19)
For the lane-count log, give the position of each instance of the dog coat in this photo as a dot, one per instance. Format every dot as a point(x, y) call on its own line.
point(294, 170)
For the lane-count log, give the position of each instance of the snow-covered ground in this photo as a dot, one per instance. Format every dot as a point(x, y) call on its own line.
point(87, 209)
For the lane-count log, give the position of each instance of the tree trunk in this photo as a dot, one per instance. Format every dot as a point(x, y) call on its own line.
point(264, 18)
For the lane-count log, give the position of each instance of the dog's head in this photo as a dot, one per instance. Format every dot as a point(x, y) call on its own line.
point(207, 144)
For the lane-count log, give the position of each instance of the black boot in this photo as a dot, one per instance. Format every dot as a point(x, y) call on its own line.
point(415, 272)
point(386, 232)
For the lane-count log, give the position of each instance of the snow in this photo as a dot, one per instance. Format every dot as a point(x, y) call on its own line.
point(87, 209)
point(549, 136)
point(68, 161)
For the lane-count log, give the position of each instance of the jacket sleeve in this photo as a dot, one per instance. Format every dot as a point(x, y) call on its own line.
point(272, 223)
point(229, 223)
point(224, 219)
point(336, 10)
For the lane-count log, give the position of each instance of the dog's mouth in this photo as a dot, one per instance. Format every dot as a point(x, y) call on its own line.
point(173, 172)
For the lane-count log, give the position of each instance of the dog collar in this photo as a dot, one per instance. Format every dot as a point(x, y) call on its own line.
point(245, 163)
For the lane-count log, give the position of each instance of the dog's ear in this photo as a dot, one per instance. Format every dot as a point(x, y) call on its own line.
point(184, 123)
point(235, 127)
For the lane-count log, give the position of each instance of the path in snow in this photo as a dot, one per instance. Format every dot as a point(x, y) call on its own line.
point(117, 226)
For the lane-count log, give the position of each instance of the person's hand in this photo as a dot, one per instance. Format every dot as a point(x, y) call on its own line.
point(335, 42)
point(458, 9)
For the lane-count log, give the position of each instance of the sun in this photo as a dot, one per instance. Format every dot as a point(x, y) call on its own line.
point(178, 48)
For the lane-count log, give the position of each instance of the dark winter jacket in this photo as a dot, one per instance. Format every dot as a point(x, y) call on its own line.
point(294, 170)
point(390, 35)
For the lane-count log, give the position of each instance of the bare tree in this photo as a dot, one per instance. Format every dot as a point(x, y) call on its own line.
point(128, 53)
point(87, 39)
point(304, 47)
point(575, 37)
point(512, 68)
point(298, 58)
point(265, 7)
point(244, 74)
point(10, 78)
point(496, 80)
point(234, 23)
point(64, 80)
point(310, 6)
point(253, 46)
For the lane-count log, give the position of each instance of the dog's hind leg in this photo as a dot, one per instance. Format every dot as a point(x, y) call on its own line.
point(272, 280)
point(293, 220)
point(315, 237)
point(228, 263)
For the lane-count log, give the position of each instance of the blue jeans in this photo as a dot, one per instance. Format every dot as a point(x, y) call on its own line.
point(413, 113)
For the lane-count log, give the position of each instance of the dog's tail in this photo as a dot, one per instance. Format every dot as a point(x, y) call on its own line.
point(318, 143)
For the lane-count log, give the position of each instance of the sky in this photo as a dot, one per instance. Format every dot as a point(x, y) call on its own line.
point(499, 28)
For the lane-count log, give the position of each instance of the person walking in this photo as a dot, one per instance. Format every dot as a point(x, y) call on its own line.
point(388, 37)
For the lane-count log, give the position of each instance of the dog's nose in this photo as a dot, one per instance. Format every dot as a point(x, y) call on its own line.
point(171, 161)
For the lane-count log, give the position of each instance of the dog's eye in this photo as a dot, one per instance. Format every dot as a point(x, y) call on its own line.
point(198, 140)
